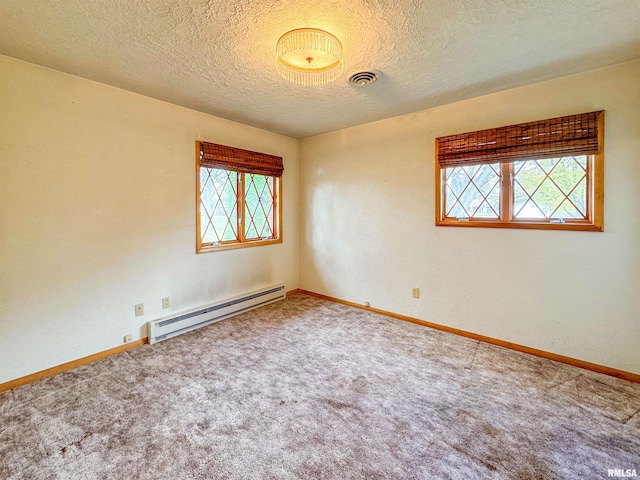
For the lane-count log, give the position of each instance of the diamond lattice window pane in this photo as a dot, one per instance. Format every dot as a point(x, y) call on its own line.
point(259, 200)
point(458, 178)
point(579, 196)
point(520, 198)
point(454, 208)
point(473, 191)
point(218, 206)
point(582, 161)
point(550, 188)
point(207, 199)
point(529, 175)
point(530, 210)
point(567, 174)
point(548, 197)
point(567, 210)
point(548, 164)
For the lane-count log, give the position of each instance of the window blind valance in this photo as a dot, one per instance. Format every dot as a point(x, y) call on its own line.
point(213, 155)
point(555, 137)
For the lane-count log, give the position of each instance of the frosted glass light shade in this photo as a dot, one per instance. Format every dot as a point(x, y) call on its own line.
point(309, 56)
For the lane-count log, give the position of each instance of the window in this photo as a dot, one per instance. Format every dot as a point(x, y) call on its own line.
point(546, 174)
point(239, 198)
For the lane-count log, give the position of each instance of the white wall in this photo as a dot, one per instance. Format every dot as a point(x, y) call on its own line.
point(367, 227)
point(97, 213)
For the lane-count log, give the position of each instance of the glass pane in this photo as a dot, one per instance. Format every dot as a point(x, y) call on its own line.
point(548, 197)
point(567, 210)
point(458, 178)
point(530, 210)
point(473, 191)
point(529, 175)
point(579, 196)
point(520, 198)
point(206, 206)
point(456, 211)
point(547, 164)
point(550, 188)
point(259, 199)
point(218, 207)
point(582, 161)
point(568, 174)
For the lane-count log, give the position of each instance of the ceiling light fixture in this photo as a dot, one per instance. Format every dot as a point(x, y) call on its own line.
point(309, 56)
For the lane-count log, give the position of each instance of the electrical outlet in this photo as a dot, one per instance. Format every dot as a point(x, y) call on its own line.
point(415, 292)
point(128, 338)
point(166, 302)
point(139, 309)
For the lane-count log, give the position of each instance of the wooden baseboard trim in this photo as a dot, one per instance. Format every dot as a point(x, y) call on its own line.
point(50, 372)
point(632, 377)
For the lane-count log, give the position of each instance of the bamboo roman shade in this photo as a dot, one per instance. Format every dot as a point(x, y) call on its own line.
point(213, 155)
point(555, 137)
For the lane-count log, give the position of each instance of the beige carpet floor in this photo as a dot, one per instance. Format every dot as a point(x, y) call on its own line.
point(308, 389)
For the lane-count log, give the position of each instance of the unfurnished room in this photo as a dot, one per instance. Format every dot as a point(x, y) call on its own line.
point(325, 239)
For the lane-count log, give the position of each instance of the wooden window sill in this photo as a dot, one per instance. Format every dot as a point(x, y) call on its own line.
point(231, 246)
point(583, 227)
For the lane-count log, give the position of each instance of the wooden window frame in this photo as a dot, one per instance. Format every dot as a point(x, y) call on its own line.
point(594, 221)
point(242, 242)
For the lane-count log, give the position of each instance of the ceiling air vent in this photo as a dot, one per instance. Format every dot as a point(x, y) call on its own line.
point(362, 78)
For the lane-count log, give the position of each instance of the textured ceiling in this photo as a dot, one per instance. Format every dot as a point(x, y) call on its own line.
point(217, 56)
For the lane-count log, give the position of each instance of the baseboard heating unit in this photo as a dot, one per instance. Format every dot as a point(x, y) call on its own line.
point(185, 322)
